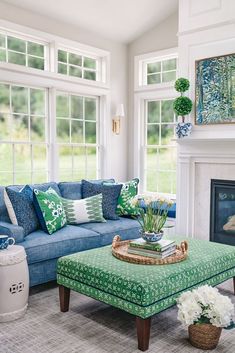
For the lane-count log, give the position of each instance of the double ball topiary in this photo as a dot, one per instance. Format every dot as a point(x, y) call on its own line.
point(182, 105)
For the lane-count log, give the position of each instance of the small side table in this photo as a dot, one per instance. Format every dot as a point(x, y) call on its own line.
point(14, 283)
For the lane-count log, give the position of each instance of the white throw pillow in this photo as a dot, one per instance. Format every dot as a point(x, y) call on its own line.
point(10, 209)
point(84, 210)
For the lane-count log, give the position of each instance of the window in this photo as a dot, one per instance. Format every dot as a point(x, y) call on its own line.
point(17, 51)
point(160, 151)
point(77, 136)
point(74, 64)
point(161, 71)
point(49, 123)
point(23, 134)
point(155, 162)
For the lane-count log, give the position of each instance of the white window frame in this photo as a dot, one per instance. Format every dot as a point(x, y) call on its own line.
point(27, 38)
point(52, 81)
point(84, 144)
point(141, 61)
point(100, 69)
point(28, 142)
point(143, 93)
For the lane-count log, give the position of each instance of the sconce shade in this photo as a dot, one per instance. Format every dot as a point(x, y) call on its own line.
point(120, 110)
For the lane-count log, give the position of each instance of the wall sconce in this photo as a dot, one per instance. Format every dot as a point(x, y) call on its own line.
point(116, 122)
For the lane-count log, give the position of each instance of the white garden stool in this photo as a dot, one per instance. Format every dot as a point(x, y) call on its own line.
point(14, 283)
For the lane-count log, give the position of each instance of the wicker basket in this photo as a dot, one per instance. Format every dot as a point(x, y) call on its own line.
point(204, 336)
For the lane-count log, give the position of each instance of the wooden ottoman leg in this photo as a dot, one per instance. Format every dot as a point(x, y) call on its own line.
point(143, 332)
point(64, 293)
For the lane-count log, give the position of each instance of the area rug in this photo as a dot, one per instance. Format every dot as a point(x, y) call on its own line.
point(93, 327)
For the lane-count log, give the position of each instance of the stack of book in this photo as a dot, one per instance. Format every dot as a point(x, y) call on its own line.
point(158, 250)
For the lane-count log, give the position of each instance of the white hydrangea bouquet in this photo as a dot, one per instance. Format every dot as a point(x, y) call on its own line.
point(206, 312)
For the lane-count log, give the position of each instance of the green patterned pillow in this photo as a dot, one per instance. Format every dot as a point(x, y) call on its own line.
point(128, 191)
point(49, 209)
point(84, 210)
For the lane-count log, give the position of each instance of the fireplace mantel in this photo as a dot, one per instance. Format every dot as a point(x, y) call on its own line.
point(193, 140)
point(199, 161)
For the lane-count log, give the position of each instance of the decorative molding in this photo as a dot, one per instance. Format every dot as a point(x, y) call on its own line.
point(205, 28)
point(202, 11)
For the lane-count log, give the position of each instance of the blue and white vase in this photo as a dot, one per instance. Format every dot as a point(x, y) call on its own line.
point(183, 129)
point(151, 237)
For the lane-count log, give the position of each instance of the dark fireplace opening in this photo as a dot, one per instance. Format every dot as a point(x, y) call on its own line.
point(222, 211)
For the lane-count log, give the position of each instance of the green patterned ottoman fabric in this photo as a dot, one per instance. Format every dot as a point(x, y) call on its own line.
point(144, 289)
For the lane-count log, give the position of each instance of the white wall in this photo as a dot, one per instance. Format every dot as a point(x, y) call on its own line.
point(163, 36)
point(116, 149)
point(206, 29)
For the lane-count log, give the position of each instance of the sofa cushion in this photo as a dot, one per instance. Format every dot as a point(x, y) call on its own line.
point(84, 210)
point(110, 196)
point(40, 246)
point(73, 189)
point(42, 187)
point(125, 227)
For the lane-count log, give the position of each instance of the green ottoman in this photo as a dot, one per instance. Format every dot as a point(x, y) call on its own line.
point(142, 290)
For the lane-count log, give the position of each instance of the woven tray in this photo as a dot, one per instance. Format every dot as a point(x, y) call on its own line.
point(119, 250)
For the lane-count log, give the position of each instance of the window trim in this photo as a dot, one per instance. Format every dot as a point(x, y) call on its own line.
point(84, 144)
point(53, 43)
point(141, 94)
point(29, 142)
point(52, 82)
point(141, 61)
point(158, 146)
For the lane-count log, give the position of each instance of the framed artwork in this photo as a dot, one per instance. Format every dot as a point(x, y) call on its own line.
point(215, 90)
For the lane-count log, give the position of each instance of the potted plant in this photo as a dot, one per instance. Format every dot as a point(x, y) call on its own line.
point(152, 216)
point(182, 106)
point(205, 311)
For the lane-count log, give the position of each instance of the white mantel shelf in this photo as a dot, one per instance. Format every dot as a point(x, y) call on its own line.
point(195, 140)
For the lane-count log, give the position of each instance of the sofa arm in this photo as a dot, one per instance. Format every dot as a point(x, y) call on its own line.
point(12, 230)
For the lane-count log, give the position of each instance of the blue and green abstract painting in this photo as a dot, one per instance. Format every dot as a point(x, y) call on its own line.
point(215, 90)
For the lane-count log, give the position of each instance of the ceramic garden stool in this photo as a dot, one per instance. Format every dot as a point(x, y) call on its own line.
point(14, 283)
point(143, 290)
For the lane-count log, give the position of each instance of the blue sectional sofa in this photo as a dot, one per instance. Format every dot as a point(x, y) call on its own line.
point(43, 250)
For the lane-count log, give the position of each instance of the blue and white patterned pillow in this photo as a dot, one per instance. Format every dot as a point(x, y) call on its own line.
point(19, 204)
point(20, 208)
point(110, 195)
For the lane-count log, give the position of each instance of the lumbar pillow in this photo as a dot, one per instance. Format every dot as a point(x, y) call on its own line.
point(84, 210)
point(49, 209)
point(110, 195)
point(20, 208)
point(128, 192)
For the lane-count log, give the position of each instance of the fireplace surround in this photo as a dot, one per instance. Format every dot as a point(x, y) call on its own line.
point(222, 211)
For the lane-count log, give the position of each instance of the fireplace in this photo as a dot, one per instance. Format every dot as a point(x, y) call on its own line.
point(222, 211)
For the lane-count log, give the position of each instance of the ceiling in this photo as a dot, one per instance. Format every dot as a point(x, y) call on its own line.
point(119, 20)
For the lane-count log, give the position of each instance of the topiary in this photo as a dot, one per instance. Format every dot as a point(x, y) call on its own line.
point(182, 84)
point(182, 105)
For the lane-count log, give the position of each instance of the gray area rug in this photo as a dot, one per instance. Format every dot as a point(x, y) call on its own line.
point(93, 327)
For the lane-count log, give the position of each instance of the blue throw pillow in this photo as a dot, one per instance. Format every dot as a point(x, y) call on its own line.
point(19, 204)
point(110, 195)
point(20, 208)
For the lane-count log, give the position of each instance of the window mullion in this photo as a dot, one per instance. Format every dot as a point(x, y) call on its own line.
point(53, 155)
